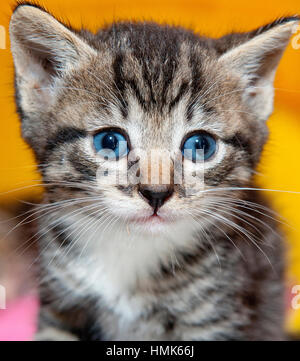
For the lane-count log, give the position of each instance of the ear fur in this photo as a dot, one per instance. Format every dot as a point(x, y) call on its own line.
point(43, 49)
point(255, 60)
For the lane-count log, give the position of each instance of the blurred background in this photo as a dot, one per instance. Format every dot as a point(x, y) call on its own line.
point(280, 166)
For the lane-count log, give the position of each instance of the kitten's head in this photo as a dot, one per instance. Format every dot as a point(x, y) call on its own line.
point(157, 88)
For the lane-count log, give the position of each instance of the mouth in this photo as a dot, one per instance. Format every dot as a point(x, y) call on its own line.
point(153, 219)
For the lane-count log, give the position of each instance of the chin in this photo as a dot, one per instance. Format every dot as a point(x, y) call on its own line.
point(156, 224)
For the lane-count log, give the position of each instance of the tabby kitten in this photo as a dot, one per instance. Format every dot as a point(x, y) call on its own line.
point(143, 260)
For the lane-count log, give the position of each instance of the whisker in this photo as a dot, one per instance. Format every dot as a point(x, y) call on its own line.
point(247, 189)
point(60, 221)
point(243, 231)
point(82, 231)
point(51, 226)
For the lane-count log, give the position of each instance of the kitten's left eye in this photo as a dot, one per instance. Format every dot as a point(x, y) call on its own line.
point(199, 141)
point(111, 144)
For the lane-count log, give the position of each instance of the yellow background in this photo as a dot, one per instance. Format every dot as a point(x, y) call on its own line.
point(279, 168)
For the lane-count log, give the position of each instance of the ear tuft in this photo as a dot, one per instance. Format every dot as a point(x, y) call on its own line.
point(279, 21)
point(254, 57)
point(34, 32)
point(43, 49)
point(20, 3)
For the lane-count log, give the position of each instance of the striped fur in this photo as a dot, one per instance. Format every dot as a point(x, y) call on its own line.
point(213, 270)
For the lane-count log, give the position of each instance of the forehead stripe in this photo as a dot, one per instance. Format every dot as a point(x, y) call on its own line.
point(182, 91)
point(119, 82)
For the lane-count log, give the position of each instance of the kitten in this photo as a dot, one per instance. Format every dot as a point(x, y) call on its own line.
point(147, 260)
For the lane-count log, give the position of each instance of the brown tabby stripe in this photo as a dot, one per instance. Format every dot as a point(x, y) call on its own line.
point(63, 136)
point(182, 91)
point(119, 82)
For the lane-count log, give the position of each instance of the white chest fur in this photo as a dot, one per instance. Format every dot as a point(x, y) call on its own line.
point(114, 261)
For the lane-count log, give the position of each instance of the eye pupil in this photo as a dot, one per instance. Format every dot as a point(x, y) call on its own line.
point(201, 143)
point(109, 141)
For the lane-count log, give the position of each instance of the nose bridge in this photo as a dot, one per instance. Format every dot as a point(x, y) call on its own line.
point(155, 188)
point(158, 168)
point(156, 163)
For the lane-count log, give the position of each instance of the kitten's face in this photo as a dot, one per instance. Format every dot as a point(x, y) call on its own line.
point(157, 88)
point(152, 126)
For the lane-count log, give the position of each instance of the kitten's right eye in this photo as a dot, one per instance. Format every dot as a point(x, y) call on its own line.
point(111, 144)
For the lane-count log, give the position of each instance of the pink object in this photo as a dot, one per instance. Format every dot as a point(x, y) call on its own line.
point(18, 321)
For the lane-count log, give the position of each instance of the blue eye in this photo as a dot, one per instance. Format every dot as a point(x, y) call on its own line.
point(111, 144)
point(200, 141)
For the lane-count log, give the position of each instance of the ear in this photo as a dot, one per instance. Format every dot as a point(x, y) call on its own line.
point(254, 57)
point(43, 51)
